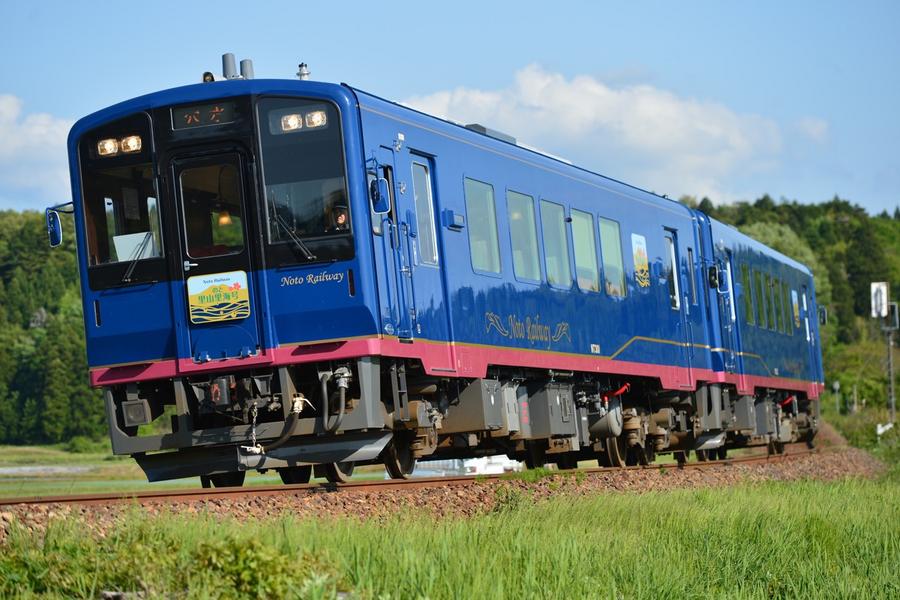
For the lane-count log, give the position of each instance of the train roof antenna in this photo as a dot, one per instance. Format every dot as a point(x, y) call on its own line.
point(303, 72)
point(229, 70)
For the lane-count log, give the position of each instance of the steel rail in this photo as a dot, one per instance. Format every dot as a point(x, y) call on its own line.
point(203, 494)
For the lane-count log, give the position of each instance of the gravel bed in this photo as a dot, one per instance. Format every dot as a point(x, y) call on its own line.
point(481, 496)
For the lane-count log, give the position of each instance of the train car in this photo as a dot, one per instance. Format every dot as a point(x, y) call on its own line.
point(295, 275)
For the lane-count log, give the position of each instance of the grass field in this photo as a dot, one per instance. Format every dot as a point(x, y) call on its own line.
point(774, 540)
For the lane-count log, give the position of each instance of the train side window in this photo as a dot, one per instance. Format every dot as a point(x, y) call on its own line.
point(796, 308)
point(427, 238)
point(523, 235)
point(770, 303)
point(556, 244)
point(611, 255)
point(481, 221)
point(786, 303)
point(587, 272)
point(776, 297)
point(670, 271)
point(692, 276)
point(760, 299)
point(747, 290)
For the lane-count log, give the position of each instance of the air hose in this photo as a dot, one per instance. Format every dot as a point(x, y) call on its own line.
point(342, 375)
point(289, 425)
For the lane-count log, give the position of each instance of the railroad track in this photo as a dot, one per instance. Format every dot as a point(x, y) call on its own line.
point(201, 494)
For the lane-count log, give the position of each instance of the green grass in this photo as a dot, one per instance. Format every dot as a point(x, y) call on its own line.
point(774, 540)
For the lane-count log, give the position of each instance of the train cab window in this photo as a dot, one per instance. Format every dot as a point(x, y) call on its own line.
point(556, 244)
point(587, 273)
point(481, 221)
point(523, 235)
point(747, 292)
point(122, 215)
point(213, 219)
point(611, 252)
point(304, 181)
point(670, 272)
point(786, 304)
point(759, 294)
point(426, 235)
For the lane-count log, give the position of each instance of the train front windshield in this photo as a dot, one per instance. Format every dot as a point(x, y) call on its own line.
point(303, 170)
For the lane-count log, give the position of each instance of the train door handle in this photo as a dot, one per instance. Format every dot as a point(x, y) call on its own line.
point(188, 265)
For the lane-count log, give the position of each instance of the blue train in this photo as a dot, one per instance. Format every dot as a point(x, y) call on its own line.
point(301, 276)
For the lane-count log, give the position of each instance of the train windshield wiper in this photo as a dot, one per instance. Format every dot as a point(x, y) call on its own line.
point(138, 255)
point(294, 237)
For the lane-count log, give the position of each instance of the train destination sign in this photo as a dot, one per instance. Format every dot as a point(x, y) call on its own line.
point(203, 115)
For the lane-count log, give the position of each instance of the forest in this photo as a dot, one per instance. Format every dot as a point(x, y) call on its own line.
point(44, 391)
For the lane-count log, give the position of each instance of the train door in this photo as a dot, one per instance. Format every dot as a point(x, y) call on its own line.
point(727, 295)
point(679, 305)
point(218, 283)
point(396, 318)
point(417, 214)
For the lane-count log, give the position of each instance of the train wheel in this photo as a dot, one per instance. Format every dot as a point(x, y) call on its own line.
point(398, 458)
point(535, 457)
point(614, 455)
point(234, 479)
point(637, 455)
point(295, 475)
point(681, 456)
point(567, 462)
point(338, 472)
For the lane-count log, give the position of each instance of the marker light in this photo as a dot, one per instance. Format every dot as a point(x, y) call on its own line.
point(129, 144)
point(291, 122)
point(108, 147)
point(316, 118)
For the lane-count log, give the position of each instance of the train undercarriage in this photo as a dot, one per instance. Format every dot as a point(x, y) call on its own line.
point(326, 418)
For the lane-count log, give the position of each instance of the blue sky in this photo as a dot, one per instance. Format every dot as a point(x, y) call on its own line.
point(799, 100)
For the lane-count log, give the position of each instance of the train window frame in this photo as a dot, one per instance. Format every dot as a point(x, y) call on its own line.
point(591, 252)
point(692, 277)
point(432, 259)
point(776, 298)
point(670, 269)
point(326, 246)
point(493, 232)
point(605, 262)
point(565, 260)
point(534, 251)
point(788, 318)
point(758, 294)
point(747, 292)
point(770, 303)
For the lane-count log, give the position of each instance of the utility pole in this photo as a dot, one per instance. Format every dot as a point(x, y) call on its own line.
point(889, 329)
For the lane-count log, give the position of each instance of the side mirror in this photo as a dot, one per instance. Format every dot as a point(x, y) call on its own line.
point(54, 228)
point(823, 315)
point(381, 196)
point(712, 276)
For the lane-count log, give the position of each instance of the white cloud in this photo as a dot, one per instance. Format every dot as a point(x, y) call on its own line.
point(645, 135)
point(33, 162)
point(814, 128)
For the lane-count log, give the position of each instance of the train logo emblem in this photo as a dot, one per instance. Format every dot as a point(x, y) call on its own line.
point(218, 297)
point(641, 264)
point(530, 329)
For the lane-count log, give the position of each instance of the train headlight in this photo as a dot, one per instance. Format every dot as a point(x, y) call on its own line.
point(108, 147)
point(129, 144)
point(291, 122)
point(136, 412)
point(316, 118)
